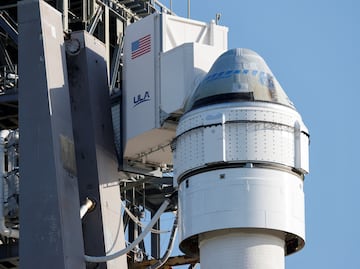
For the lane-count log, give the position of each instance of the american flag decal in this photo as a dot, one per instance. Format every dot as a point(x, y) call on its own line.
point(141, 46)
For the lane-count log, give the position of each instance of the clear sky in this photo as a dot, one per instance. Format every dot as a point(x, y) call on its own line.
point(312, 47)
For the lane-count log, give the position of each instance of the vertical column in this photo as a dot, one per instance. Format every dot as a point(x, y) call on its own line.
point(66, 15)
point(50, 232)
point(107, 40)
point(95, 150)
point(155, 240)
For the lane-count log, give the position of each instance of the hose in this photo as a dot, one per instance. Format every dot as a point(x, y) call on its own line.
point(134, 219)
point(170, 247)
point(135, 242)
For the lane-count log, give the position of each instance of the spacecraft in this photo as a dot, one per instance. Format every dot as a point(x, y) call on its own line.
point(240, 155)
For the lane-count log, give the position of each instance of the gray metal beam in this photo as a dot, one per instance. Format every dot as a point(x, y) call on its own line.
point(50, 232)
point(95, 150)
point(155, 241)
point(9, 252)
point(8, 28)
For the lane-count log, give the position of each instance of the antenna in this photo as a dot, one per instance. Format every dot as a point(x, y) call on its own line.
point(217, 18)
point(188, 9)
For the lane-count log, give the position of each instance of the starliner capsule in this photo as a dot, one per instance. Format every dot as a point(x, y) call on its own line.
point(240, 155)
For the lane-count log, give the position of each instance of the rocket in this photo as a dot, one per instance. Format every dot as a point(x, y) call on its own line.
point(240, 156)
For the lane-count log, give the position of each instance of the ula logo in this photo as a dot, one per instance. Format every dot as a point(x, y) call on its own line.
point(141, 98)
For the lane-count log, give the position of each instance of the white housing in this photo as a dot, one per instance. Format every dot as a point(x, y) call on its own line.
point(165, 57)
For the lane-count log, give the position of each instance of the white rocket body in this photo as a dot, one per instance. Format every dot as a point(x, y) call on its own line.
point(240, 155)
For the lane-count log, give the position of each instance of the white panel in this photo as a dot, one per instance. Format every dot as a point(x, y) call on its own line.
point(139, 84)
point(214, 137)
point(218, 35)
point(304, 147)
point(301, 148)
point(176, 68)
point(214, 144)
point(177, 31)
point(182, 69)
point(152, 146)
point(191, 153)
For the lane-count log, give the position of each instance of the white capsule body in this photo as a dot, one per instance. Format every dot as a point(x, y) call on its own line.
point(240, 170)
point(240, 155)
point(243, 132)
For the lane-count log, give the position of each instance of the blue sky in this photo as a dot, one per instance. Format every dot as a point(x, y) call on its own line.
point(313, 48)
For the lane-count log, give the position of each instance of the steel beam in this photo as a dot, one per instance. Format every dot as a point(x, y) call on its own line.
point(172, 262)
point(155, 241)
point(95, 150)
point(8, 28)
point(50, 232)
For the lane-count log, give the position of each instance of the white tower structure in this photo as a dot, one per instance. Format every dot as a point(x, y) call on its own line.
point(240, 155)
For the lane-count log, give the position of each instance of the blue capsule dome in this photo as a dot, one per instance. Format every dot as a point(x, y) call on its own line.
point(238, 75)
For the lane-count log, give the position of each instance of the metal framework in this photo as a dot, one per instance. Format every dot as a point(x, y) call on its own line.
point(106, 20)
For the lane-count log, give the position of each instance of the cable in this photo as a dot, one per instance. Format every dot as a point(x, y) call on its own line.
point(170, 247)
point(135, 242)
point(133, 217)
point(86, 207)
